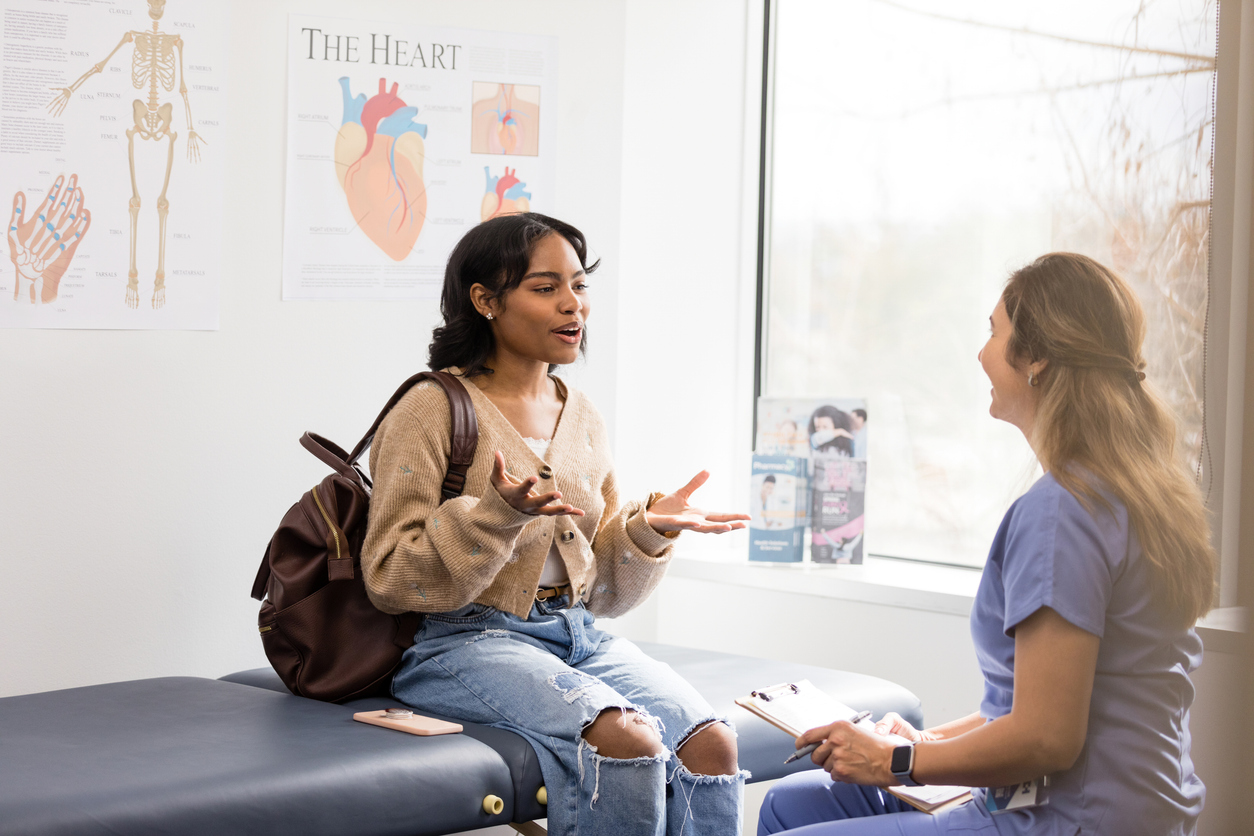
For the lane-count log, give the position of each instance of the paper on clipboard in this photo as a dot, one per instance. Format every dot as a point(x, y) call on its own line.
point(796, 707)
point(932, 798)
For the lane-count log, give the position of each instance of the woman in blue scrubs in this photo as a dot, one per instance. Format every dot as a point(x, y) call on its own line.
point(1083, 623)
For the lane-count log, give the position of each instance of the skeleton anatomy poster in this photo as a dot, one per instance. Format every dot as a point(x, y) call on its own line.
point(401, 138)
point(111, 162)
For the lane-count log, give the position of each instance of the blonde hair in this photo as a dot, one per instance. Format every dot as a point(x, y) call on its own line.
point(1098, 417)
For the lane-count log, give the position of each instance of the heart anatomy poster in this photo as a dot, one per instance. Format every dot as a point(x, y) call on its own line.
point(111, 163)
point(400, 139)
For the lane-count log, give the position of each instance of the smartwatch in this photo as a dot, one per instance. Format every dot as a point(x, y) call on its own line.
point(902, 764)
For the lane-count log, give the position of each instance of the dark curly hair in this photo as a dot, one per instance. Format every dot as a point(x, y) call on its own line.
point(495, 254)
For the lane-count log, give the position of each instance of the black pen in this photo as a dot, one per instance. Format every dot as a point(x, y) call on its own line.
point(809, 749)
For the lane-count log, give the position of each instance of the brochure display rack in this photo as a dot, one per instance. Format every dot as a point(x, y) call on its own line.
point(809, 471)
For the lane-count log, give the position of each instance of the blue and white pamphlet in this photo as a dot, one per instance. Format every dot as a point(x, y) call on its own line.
point(777, 509)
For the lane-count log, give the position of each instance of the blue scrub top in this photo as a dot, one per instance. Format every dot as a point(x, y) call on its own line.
point(1134, 775)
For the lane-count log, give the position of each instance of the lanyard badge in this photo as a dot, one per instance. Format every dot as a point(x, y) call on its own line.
point(1017, 796)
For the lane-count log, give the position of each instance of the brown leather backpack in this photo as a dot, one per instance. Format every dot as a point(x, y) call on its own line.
point(321, 633)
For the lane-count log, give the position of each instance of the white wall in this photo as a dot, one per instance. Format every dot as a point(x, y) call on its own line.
point(686, 303)
point(144, 472)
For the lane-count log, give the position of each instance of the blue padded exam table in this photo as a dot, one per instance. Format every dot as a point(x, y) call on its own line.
point(240, 755)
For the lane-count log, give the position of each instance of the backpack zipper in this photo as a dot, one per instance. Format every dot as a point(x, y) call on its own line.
point(327, 518)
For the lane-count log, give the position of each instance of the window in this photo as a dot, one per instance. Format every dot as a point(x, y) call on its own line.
point(915, 156)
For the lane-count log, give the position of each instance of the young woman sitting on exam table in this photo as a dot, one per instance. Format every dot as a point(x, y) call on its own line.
point(1083, 623)
point(511, 572)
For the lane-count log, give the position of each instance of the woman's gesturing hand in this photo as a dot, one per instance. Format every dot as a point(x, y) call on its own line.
point(673, 513)
point(852, 754)
point(518, 493)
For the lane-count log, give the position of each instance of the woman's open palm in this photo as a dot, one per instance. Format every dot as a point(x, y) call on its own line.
point(674, 512)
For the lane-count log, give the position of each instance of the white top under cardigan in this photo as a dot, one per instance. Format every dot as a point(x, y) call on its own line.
point(554, 573)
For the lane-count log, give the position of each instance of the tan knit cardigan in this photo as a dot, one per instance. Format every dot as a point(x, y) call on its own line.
point(423, 554)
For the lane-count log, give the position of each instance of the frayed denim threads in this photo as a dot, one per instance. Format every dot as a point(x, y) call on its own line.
point(547, 678)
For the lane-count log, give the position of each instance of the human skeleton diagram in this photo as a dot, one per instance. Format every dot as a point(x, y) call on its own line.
point(152, 67)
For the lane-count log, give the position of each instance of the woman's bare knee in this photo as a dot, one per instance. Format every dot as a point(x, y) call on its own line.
point(623, 735)
point(710, 750)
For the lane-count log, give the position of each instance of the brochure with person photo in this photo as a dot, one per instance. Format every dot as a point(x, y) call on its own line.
point(810, 426)
point(778, 501)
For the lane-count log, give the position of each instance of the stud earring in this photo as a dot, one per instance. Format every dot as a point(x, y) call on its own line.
point(1032, 381)
point(489, 316)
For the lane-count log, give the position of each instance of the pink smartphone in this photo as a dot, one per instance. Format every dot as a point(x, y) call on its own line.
point(407, 721)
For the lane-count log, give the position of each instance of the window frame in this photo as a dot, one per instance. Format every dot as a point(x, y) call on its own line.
point(1227, 343)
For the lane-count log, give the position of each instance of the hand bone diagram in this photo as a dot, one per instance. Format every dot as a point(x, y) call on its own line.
point(379, 154)
point(42, 242)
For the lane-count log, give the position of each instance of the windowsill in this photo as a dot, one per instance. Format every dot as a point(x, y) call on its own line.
point(891, 583)
point(1222, 629)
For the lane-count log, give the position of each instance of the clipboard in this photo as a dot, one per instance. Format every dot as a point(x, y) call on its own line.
point(797, 707)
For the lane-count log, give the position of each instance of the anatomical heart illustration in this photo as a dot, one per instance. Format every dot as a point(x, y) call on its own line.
point(504, 195)
point(506, 119)
point(379, 154)
point(410, 182)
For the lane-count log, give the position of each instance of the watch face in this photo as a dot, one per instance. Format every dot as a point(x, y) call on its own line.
point(903, 757)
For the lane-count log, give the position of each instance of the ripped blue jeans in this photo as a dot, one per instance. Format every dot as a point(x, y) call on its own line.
point(547, 678)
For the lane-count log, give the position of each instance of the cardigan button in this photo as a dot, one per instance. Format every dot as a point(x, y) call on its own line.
point(567, 536)
point(546, 472)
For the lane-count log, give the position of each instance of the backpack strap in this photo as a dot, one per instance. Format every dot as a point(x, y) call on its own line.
point(464, 440)
point(329, 453)
point(262, 581)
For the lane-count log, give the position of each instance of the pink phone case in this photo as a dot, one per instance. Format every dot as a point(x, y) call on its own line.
point(417, 724)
